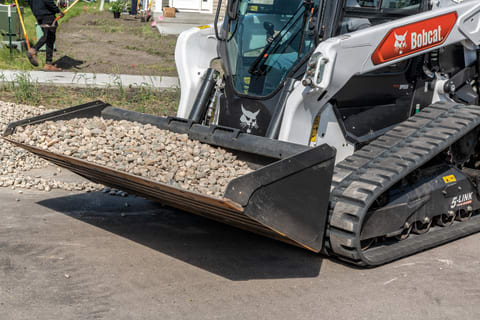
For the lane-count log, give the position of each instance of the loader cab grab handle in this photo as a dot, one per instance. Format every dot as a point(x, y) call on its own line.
point(232, 9)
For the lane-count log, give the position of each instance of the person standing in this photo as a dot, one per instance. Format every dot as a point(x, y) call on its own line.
point(133, 7)
point(45, 11)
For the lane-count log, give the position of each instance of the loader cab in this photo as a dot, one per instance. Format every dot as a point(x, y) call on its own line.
point(265, 45)
point(266, 40)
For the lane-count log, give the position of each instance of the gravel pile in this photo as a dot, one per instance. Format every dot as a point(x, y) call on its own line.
point(16, 162)
point(142, 150)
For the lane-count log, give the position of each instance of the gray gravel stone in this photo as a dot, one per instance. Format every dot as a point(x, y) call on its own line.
point(16, 162)
point(142, 150)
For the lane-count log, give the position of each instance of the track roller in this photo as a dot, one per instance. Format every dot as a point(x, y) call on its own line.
point(446, 219)
point(464, 215)
point(421, 227)
point(407, 229)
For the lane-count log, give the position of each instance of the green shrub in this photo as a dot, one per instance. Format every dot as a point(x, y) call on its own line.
point(118, 6)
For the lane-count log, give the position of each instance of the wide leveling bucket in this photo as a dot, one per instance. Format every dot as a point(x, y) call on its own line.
point(286, 198)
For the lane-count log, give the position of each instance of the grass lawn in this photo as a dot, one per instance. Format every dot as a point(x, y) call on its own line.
point(121, 46)
point(104, 44)
point(19, 61)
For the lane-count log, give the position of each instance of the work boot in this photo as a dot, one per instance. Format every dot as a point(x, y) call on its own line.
point(51, 67)
point(32, 57)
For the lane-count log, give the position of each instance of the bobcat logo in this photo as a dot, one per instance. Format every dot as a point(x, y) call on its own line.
point(400, 42)
point(248, 120)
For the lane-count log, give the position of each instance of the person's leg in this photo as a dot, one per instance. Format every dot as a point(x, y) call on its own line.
point(133, 7)
point(32, 52)
point(50, 43)
point(43, 39)
point(51, 36)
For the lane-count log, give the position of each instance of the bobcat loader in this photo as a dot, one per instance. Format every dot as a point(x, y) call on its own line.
point(360, 117)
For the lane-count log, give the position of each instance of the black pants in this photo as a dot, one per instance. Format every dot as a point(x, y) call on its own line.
point(48, 38)
point(133, 8)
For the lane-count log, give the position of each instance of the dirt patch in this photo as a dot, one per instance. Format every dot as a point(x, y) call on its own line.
point(124, 45)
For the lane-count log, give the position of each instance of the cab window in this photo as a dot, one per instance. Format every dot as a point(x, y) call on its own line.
point(361, 14)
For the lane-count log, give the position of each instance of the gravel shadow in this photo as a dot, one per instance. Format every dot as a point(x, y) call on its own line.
point(217, 248)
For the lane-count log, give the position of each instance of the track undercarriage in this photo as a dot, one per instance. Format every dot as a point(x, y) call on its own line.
point(413, 188)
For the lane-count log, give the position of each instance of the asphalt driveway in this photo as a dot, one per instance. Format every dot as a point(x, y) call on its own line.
point(68, 255)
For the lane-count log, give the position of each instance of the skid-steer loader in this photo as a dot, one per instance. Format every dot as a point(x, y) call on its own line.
point(360, 117)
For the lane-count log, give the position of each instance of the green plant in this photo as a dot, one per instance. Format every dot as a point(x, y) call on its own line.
point(117, 82)
point(3, 82)
point(118, 6)
point(26, 90)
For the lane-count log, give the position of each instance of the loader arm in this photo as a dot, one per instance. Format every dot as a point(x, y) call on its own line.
point(336, 60)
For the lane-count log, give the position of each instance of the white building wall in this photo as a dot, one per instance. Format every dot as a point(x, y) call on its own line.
point(210, 8)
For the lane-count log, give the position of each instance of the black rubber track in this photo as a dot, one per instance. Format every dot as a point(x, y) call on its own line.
point(361, 178)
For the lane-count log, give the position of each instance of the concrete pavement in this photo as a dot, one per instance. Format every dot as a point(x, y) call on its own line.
point(99, 80)
point(183, 21)
point(67, 255)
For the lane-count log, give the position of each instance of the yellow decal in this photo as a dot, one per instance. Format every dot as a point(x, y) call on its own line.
point(253, 8)
point(313, 134)
point(203, 27)
point(449, 179)
point(246, 84)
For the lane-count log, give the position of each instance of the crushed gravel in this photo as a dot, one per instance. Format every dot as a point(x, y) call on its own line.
point(15, 163)
point(142, 150)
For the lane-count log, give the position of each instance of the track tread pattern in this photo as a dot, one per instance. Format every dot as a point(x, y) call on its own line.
point(361, 178)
